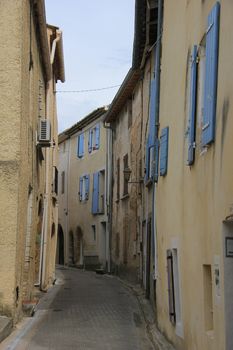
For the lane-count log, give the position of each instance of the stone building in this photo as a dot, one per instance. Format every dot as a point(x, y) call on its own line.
point(31, 60)
point(83, 227)
point(183, 52)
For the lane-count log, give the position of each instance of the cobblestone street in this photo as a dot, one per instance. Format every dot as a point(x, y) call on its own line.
point(88, 311)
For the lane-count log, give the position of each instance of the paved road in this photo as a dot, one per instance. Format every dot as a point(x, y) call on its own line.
point(87, 311)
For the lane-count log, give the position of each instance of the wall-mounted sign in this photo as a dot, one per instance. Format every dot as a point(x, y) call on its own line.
point(229, 247)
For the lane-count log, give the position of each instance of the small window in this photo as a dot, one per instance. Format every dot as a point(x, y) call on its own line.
point(125, 188)
point(55, 180)
point(208, 297)
point(84, 184)
point(94, 138)
point(101, 191)
point(93, 232)
point(80, 150)
point(118, 179)
point(63, 182)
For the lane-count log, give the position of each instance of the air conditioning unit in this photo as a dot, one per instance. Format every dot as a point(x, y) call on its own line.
point(44, 133)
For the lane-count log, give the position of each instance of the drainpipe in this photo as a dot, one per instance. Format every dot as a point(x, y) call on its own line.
point(49, 88)
point(109, 190)
point(157, 100)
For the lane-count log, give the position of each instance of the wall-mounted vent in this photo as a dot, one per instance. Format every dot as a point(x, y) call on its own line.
point(44, 133)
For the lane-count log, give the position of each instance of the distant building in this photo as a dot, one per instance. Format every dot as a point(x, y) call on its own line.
point(31, 60)
point(83, 227)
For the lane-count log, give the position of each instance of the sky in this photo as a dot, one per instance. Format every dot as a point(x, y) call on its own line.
point(97, 42)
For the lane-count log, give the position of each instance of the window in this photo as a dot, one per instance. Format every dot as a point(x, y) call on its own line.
point(174, 290)
point(80, 148)
point(93, 232)
point(84, 183)
point(101, 191)
point(163, 151)
point(118, 179)
point(55, 180)
point(211, 76)
point(125, 187)
point(98, 194)
point(63, 182)
point(94, 138)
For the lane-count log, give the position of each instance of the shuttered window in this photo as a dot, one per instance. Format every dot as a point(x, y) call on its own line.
point(192, 107)
point(163, 151)
point(87, 186)
point(95, 194)
point(171, 287)
point(97, 136)
point(80, 150)
point(81, 188)
point(90, 140)
point(211, 74)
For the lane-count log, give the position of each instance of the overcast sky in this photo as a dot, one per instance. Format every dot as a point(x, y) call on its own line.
point(98, 41)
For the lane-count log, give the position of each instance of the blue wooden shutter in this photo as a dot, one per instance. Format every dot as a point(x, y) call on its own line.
point(147, 160)
point(87, 185)
point(95, 194)
point(90, 141)
point(211, 74)
point(80, 188)
point(164, 151)
point(80, 145)
point(192, 107)
point(156, 170)
point(97, 136)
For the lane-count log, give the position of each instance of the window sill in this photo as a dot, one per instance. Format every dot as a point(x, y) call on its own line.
point(125, 196)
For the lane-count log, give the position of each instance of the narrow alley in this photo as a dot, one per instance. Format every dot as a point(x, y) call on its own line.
point(84, 310)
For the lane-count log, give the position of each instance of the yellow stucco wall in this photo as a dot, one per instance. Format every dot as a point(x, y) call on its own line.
point(192, 202)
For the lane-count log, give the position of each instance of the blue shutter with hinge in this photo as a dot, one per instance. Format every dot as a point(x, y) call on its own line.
point(192, 107)
point(163, 151)
point(90, 140)
point(80, 145)
point(80, 188)
point(147, 160)
point(87, 185)
point(156, 170)
point(211, 74)
point(97, 136)
point(95, 194)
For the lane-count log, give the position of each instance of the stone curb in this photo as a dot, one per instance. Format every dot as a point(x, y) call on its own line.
point(6, 327)
point(157, 338)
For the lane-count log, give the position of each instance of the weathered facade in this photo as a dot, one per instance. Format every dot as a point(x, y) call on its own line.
point(184, 213)
point(83, 227)
point(28, 80)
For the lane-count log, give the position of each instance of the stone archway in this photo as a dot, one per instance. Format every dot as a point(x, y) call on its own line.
point(60, 246)
point(79, 247)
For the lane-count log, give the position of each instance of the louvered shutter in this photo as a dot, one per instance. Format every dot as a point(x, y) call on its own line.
point(80, 188)
point(90, 141)
point(80, 145)
point(211, 74)
point(97, 136)
point(95, 194)
point(147, 160)
point(87, 185)
point(156, 170)
point(192, 107)
point(164, 151)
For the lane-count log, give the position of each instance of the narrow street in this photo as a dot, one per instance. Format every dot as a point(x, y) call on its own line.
point(83, 311)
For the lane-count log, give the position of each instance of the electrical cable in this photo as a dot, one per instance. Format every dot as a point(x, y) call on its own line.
point(89, 90)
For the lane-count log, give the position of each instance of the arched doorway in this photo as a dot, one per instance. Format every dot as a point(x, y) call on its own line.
point(79, 247)
point(71, 248)
point(60, 245)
